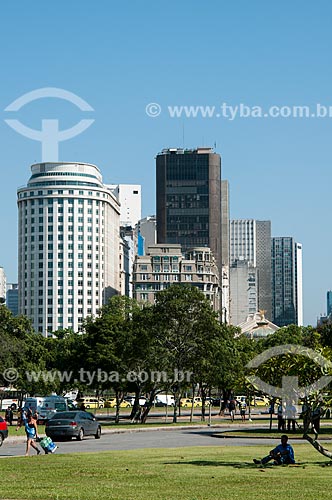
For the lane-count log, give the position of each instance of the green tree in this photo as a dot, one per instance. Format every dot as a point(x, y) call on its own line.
point(107, 347)
point(308, 370)
point(184, 325)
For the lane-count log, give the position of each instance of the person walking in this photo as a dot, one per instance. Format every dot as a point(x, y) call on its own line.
point(281, 420)
point(31, 431)
point(232, 408)
point(9, 415)
point(243, 409)
point(291, 415)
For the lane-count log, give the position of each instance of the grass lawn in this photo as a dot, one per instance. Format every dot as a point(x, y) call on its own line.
point(165, 474)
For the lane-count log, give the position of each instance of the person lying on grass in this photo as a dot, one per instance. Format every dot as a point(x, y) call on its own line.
point(281, 454)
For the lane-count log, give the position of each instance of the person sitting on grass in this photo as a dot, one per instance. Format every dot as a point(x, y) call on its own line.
point(282, 454)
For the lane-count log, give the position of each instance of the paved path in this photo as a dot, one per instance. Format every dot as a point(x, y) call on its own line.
point(137, 439)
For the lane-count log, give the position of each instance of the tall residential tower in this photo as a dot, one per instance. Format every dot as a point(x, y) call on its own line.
point(250, 241)
point(68, 245)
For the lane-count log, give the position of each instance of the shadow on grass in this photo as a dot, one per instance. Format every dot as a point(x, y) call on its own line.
point(238, 434)
point(247, 465)
point(216, 463)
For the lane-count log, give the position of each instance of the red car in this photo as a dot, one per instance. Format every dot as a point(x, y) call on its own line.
point(3, 430)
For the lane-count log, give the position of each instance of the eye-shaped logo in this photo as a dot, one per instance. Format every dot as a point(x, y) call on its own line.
point(49, 135)
point(290, 393)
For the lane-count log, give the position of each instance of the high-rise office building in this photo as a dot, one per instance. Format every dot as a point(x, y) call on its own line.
point(225, 272)
point(129, 197)
point(329, 303)
point(147, 229)
point(243, 286)
point(68, 248)
point(12, 298)
point(189, 199)
point(286, 281)
point(250, 240)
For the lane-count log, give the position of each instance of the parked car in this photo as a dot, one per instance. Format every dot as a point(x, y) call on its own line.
point(199, 401)
point(93, 403)
point(69, 424)
point(131, 400)
point(111, 403)
point(260, 401)
point(187, 403)
point(3, 430)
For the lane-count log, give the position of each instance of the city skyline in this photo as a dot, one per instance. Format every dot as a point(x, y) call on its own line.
point(278, 168)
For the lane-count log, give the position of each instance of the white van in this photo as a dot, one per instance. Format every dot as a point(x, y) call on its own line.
point(45, 407)
point(49, 406)
point(164, 400)
point(32, 404)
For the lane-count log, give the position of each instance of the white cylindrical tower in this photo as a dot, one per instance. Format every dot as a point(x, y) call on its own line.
point(68, 241)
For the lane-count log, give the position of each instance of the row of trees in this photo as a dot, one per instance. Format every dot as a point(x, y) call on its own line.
point(127, 345)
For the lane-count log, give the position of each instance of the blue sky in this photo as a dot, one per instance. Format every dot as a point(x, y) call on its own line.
point(120, 57)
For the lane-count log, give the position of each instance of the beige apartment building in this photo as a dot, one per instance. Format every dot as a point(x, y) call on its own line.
point(166, 264)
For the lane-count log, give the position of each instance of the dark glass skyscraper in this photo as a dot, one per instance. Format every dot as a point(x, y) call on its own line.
point(286, 281)
point(329, 303)
point(189, 199)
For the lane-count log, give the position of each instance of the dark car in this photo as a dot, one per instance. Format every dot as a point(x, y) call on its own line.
point(69, 424)
point(3, 430)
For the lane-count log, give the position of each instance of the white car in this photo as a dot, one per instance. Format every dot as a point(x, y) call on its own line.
point(131, 400)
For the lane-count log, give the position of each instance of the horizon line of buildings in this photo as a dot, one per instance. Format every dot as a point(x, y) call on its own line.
point(82, 241)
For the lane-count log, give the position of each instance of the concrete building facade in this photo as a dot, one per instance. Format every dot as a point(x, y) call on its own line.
point(244, 291)
point(3, 283)
point(250, 240)
point(128, 251)
point(68, 248)
point(166, 264)
point(130, 199)
point(147, 228)
point(225, 271)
